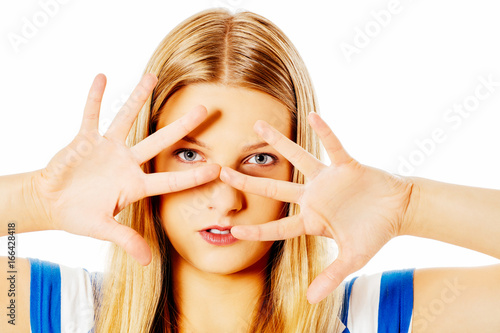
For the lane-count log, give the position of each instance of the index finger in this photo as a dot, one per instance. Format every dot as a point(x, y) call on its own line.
point(336, 152)
point(168, 135)
point(298, 156)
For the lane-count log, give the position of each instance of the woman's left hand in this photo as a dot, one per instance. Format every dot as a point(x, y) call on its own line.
point(360, 207)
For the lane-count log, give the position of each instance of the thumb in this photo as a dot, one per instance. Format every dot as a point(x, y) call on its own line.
point(329, 280)
point(126, 238)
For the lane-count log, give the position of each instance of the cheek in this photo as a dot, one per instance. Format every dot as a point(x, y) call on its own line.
point(178, 209)
point(159, 162)
point(264, 210)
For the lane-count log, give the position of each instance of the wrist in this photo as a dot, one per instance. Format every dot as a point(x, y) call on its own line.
point(411, 206)
point(37, 213)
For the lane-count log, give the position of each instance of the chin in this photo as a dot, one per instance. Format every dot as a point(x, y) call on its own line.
point(220, 268)
point(223, 260)
point(224, 264)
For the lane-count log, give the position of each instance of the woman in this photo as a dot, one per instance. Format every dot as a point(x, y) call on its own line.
point(242, 69)
point(245, 53)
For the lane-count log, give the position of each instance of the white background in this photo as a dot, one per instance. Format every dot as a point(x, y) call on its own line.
point(394, 91)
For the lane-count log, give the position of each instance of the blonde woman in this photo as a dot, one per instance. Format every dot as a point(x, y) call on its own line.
point(211, 186)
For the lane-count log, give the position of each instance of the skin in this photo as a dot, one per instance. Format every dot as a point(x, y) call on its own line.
point(228, 279)
point(359, 206)
point(362, 208)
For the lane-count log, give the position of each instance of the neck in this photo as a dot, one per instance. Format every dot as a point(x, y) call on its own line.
point(209, 302)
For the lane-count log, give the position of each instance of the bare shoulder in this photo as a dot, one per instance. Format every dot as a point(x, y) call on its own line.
point(15, 280)
point(465, 299)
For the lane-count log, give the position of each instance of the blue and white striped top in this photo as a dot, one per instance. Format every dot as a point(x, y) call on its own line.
point(62, 300)
point(381, 302)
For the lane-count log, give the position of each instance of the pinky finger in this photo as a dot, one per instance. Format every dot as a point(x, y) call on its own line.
point(285, 228)
point(325, 283)
point(126, 238)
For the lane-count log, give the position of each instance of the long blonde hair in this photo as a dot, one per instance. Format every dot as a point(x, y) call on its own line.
point(245, 50)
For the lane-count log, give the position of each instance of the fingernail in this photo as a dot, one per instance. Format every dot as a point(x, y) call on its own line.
point(312, 297)
point(212, 172)
point(224, 175)
point(262, 131)
point(311, 113)
point(316, 292)
point(199, 111)
point(151, 80)
point(241, 231)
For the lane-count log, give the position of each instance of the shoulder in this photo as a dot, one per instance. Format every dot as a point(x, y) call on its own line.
point(381, 302)
point(62, 298)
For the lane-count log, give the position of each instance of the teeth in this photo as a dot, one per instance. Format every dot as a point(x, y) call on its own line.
point(216, 231)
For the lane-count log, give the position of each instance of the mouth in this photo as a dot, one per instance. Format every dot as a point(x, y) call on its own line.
point(217, 229)
point(217, 235)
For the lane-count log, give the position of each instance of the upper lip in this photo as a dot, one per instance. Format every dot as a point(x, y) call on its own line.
point(218, 227)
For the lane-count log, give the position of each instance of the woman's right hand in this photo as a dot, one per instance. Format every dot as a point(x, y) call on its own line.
point(92, 179)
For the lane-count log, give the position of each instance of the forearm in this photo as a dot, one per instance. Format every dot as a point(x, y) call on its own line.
point(455, 214)
point(18, 204)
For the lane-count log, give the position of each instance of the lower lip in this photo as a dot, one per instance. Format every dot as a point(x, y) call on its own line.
point(218, 239)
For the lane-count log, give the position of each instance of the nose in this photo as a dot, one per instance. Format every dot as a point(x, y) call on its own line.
point(224, 198)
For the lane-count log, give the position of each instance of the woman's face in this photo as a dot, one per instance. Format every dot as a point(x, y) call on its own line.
point(223, 138)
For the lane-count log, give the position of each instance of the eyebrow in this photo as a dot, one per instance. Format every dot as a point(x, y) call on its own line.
point(204, 145)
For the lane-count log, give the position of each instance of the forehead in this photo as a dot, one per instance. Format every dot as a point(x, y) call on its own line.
point(231, 110)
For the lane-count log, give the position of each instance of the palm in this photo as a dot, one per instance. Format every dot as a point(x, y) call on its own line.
point(360, 207)
point(93, 178)
point(365, 207)
point(115, 177)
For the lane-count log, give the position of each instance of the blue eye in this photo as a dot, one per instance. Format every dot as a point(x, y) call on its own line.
point(189, 155)
point(266, 157)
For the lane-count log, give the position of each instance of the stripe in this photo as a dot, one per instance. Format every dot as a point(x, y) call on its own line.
point(345, 304)
point(45, 296)
point(396, 301)
point(77, 300)
point(364, 306)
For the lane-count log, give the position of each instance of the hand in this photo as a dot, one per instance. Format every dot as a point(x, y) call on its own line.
point(360, 207)
point(92, 179)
